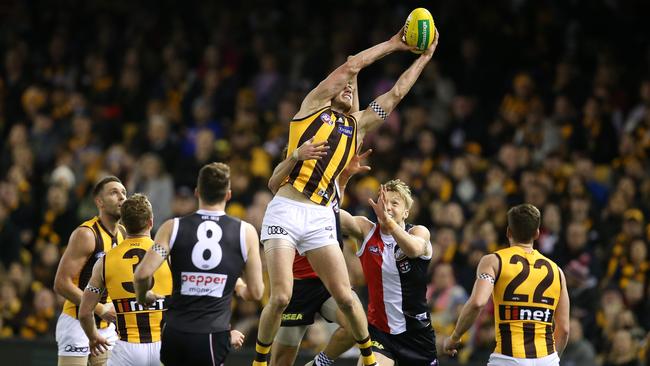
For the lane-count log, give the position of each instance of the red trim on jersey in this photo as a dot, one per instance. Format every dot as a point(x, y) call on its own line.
point(302, 270)
point(371, 262)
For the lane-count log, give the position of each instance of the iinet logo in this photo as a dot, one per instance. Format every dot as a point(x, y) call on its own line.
point(528, 313)
point(203, 284)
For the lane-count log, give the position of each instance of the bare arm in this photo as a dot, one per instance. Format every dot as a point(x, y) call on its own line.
point(368, 118)
point(80, 246)
point(338, 79)
point(251, 286)
point(151, 262)
point(355, 226)
point(307, 151)
point(480, 295)
point(89, 301)
point(561, 318)
point(414, 243)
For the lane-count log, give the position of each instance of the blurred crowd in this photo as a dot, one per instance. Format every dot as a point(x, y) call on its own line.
point(546, 102)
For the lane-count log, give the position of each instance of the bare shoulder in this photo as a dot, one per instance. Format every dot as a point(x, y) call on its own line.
point(420, 231)
point(82, 241)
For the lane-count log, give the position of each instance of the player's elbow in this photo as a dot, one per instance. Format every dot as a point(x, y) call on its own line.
point(352, 66)
point(85, 312)
point(256, 291)
point(59, 286)
point(140, 275)
point(476, 304)
point(562, 329)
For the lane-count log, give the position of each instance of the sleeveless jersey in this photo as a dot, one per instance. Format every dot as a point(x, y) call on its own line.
point(526, 294)
point(315, 178)
point(397, 284)
point(104, 241)
point(208, 254)
point(135, 324)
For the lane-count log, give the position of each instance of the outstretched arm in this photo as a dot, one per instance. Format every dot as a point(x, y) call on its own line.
point(483, 286)
point(373, 116)
point(337, 80)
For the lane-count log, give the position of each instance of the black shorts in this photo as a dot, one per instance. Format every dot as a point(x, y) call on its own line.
point(307, 299)
point(412, 348)
point(182, 348)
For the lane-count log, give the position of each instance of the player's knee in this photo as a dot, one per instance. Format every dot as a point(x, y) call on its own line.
point(280, 301)
point(345, 302)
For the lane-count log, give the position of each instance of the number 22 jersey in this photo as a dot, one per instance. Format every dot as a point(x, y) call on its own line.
point(208, 254)
point(526, 294)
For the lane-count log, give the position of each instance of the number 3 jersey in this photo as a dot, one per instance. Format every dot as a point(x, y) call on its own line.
point(526, 294)
point(135, 324)
point(208, 254)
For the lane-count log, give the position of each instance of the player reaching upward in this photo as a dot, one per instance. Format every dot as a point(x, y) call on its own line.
point(309, 294)
point(298, 217)
point(531, 302)
point(395, 257)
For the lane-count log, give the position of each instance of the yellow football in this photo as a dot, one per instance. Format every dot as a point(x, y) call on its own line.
point(419, 30)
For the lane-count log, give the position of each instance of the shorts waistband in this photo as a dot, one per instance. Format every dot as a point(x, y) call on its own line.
point(301, 204)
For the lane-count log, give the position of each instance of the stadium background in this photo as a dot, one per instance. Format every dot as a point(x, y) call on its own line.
point(546, 102)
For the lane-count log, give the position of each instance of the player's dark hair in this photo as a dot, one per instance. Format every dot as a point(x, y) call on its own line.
point(213, 183)
point(104, 181)
point(523, 221)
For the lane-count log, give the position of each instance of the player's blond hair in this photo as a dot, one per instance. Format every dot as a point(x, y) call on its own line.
point(402, 189)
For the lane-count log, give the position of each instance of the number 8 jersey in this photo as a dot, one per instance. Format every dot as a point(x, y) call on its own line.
point(208, 254)
point(526, 294)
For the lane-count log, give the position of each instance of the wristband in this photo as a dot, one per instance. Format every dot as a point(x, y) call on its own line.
point(93, 289)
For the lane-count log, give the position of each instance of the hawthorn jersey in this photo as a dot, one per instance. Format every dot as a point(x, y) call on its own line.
point(396, 284)
point(315, 178)
point(526, 294)
point(135, 324)
point(104, 241)
point(207, 254)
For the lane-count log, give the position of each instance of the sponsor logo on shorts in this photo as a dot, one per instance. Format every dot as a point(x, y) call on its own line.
point(71, 348)
point(275, 230)
point(325, 117)
point(203, 284)
point(346, 130)
point(377, 344)
point(291, 316)
point(329, 228)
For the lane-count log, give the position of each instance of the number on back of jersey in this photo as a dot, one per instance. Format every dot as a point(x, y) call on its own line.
point(207, 253)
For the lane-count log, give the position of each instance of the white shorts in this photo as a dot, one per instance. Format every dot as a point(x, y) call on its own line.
point(141, 354)
point(71, 339)
point(497, 359)
point(304, 226)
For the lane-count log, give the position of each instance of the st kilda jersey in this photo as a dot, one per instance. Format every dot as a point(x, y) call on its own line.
point(396, 284)
point(208, 254)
